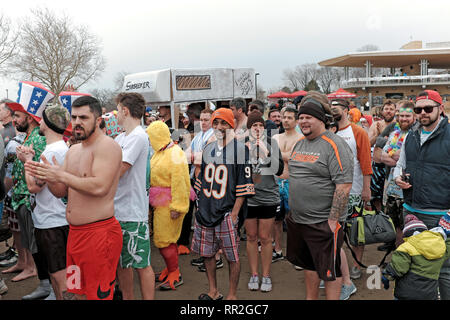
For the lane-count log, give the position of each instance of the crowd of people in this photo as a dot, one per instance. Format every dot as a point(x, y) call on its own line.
point(84, 208)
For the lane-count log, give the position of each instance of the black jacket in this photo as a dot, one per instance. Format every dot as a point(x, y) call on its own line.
point(429, 169)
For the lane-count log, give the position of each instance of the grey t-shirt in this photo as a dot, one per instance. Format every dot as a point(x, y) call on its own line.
point(266, 190)
point(315, 167)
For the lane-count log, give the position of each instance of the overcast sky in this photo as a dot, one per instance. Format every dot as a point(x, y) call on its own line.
point(269, 36)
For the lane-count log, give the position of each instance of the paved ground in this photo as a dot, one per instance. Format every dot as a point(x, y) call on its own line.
point(288, 283)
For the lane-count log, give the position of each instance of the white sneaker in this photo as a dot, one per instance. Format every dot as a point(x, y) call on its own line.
point(266, 284)
point(253, 283)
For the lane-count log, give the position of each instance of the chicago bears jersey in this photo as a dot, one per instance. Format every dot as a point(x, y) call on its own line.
point(225, 175)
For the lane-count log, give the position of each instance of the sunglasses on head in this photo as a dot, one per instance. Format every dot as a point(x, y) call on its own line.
point(428, 109)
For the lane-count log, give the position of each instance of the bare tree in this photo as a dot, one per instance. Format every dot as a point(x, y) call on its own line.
point(54, 51)
point(329, 78)
point(106, 98)
point(8, 41)
point(368, 47)
point(299, 78)
point(118, 80)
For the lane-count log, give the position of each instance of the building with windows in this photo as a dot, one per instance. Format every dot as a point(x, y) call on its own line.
point(400, 74)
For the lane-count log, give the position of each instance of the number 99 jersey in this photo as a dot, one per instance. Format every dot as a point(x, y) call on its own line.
point(225, 175)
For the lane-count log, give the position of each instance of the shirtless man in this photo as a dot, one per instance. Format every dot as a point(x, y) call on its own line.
point(286, 141)
point(88, 177)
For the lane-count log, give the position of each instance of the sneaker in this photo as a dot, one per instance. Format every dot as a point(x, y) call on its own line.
point(51, 296)
point(219, 265)
point(3, 287)
point(197, 262)
point(166, 286)
point(355, 273)
point(347, 291)
point(322, 284)
point(298, 268)
point(277, 256)
point(8, 254)
point(266, 284)
point(8, 262)
point(41, 292)
point(259, 246)
point(253, 283)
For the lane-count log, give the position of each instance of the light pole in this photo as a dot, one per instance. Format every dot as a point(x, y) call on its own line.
point(256, 85)
point(6, 93)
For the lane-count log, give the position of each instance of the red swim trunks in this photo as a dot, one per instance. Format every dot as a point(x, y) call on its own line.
point(93, 252)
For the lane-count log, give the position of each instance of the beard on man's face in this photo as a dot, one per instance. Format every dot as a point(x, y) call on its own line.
point(82, 135)
point(22, 127)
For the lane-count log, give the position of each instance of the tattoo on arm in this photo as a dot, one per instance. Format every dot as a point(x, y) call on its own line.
point(339, 205)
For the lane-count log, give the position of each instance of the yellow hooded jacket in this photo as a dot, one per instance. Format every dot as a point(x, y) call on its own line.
point(169, 169)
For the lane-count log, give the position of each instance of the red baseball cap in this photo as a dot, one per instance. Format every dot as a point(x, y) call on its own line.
point(430, 95)
point(14, 106)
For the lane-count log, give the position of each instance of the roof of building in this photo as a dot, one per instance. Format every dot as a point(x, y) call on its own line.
point(438, 58)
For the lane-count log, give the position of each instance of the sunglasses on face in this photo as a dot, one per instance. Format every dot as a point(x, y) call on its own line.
point(428, 109)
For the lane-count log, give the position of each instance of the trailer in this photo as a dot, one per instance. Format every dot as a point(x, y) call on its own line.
point(179, 87)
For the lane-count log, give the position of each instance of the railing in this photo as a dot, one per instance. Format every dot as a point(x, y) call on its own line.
point(397, 80)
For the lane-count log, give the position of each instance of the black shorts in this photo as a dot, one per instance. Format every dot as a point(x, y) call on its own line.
point(314, 247)
point(52, 245)
point(262, 212)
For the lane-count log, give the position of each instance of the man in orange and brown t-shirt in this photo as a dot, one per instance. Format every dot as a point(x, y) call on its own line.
point(358, 140)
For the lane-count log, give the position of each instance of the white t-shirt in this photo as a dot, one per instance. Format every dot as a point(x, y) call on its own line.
point(50, 211)
point(131, 201)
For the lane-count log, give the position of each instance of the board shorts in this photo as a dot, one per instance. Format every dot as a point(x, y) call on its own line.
point(377, 180)
point(283, 185)
point(136, 245)
point(262, 212)
point(315, 247)
point(354, 200)
point(207, 241)
point(93, 252)
point(13, 222)
point(52, 245)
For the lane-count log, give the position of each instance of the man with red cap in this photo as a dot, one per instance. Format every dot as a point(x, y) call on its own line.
point(28, 123)
point(225, 180)
point(423, 169)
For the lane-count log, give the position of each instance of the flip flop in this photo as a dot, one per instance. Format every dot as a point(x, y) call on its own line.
point(205, 296)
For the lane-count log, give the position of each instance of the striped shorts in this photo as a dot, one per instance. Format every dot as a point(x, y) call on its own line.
point(207, 241)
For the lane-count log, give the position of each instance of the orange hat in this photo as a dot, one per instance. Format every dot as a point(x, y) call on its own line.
point(355, 114)
point(224, 114)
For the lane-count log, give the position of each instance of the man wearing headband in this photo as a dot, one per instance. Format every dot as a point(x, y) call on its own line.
point(49, 215)
point(393, 195)
point(358, 140)
point(224, 182)
point(321, 175)
point(423, 170)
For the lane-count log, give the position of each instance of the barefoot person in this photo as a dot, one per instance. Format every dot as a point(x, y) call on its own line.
point(286, 142)
point(28, 123)
point(88, 177)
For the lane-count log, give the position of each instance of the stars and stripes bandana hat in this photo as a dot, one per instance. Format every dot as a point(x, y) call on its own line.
point(66, 98)
point(33, 96)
